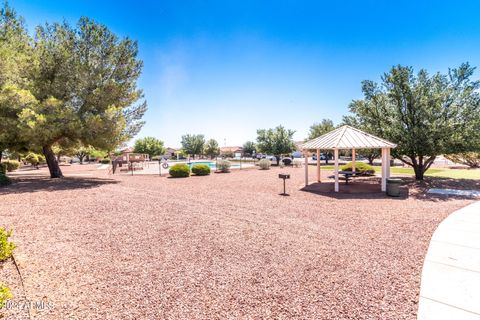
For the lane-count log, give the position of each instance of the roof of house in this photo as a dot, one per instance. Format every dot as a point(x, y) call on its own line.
point(231, 149)
point(347, 137)
point(127, 150)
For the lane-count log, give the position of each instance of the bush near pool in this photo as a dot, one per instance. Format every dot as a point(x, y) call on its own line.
point(179, 170)
point(360, 167)
point(201, 170)
point(223, 166)
point(264, 164)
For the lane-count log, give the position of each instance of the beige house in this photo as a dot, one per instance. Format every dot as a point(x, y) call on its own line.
point(235, 151)
point(170, 152)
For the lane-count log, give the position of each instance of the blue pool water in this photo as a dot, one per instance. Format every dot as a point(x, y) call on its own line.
point(211, 164)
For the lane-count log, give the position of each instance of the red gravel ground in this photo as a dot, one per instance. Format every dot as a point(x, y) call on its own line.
point(225, 246)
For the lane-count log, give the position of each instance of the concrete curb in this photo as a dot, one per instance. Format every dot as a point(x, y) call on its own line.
point(450, 287)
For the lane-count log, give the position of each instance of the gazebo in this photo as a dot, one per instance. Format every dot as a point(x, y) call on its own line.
point(345, 138)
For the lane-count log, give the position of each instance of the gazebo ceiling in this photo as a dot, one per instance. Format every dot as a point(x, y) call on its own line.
point(347, 137)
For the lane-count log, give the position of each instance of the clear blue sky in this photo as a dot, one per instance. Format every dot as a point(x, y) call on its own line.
point(227, 68)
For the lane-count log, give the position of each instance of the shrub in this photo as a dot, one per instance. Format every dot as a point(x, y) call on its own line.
point(4, 180)
point(264, 164)
point(32, 158)
point(41, 158)
point(5, 294)
point(223, 166)
point(201, 170)
point(228, 154)
point(105, 161)
point(359, 167)
point(11, 165)
point(3, 168)
point(179, 170)
point(297, 163)
point(6, 247)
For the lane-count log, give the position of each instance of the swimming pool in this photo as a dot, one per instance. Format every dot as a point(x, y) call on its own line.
point(212, 164)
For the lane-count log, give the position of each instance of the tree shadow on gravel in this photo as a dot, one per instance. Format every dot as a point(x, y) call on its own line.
point(34, 184)
point(359, 189)
point(410, 188)
point(419, 189)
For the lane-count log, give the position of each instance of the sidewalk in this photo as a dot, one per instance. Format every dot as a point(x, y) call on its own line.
point(450, 287)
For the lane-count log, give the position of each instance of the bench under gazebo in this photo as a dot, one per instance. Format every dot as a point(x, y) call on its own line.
point(348, 138)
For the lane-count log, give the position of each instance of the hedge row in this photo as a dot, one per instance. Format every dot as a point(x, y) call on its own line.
point(182, 170)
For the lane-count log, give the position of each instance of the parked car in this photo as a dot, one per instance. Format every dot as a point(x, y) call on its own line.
point(322, 157)
point(266, 156)
point(297, 154)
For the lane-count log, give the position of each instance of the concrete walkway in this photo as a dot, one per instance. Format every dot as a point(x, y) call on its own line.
point(450, 286)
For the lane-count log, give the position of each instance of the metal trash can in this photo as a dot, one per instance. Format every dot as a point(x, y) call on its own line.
point(393, 187)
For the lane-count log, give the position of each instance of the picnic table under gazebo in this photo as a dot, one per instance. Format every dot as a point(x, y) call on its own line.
point(348, 138)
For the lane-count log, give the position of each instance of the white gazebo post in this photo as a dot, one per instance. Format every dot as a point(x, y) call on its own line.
point(335, 152)
point(318, 165)
point(353, 159)
point(385, 168)
point(306, 167)
point(388, 162)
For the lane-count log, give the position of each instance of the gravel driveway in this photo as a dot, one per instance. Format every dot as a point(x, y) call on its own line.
point(225, 246)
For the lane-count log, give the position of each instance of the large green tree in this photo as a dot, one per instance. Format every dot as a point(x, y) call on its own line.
point(249, 148)
point(15, 61)
point(275, 141)
point(320, 128)
point(370, 154)
point(193, 144)
point(80, 85)
point(149, 145)
point(211, 148)
point(86, 152)
point(425, 115)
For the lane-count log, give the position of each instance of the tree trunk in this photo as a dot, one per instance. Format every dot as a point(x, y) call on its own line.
point(52, 163)
point(1, 154)
point(419, 171)
point(80, 157)
point(278, 160)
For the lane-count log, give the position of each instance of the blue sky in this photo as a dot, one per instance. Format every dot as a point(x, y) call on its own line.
point(227, 68)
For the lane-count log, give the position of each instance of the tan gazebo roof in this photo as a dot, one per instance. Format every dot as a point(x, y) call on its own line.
point(347, 137)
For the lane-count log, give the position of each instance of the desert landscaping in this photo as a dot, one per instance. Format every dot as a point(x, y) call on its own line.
point(216, 247)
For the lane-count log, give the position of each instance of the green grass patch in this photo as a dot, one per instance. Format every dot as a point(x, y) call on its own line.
point(457, 174)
